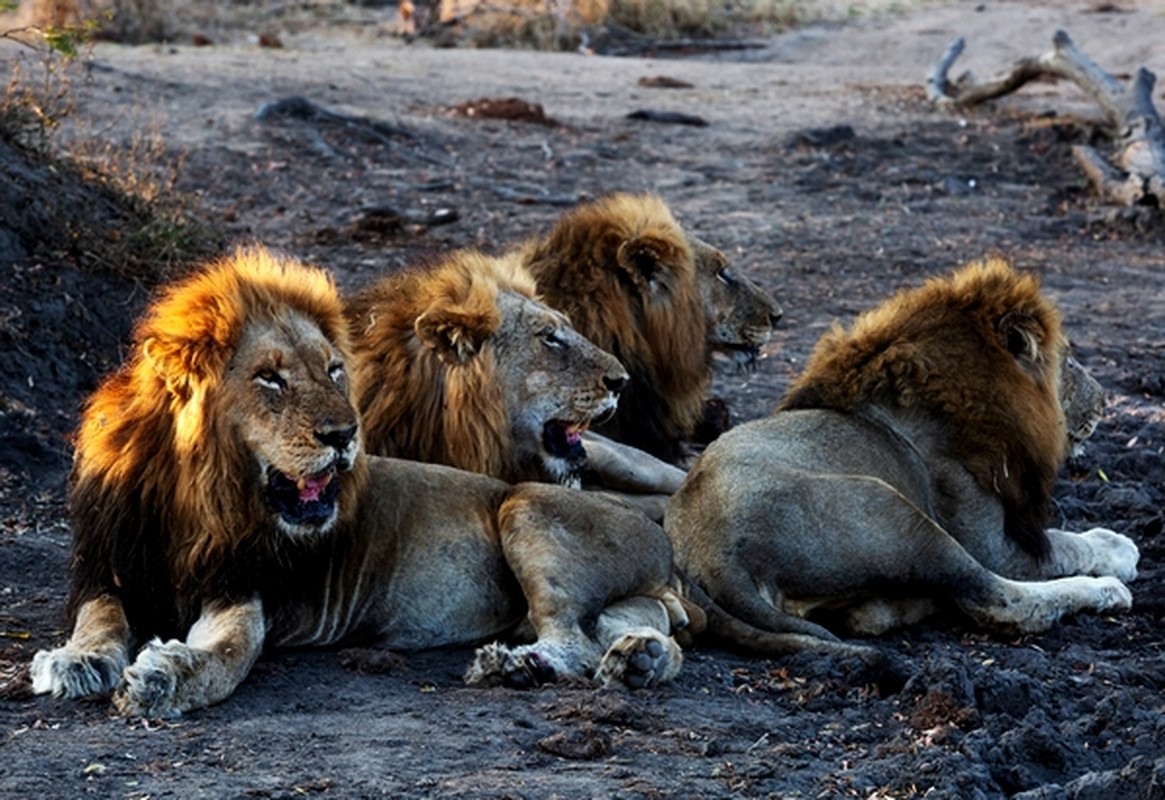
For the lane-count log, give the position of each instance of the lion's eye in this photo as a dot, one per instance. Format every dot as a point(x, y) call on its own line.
point(270, 379)
point(336, 372)
point(725, 276)
point(552, 340)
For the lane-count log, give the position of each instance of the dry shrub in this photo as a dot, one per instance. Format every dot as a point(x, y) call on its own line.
point(563, 24)
point(126, 21)
point(102, 203)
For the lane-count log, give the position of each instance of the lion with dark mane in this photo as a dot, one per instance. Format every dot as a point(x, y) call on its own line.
point(221, 501)
point(460, 363)
point(912, 462)
point(661, 301)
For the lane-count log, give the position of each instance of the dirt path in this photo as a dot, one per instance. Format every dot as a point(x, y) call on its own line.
point(830, 219)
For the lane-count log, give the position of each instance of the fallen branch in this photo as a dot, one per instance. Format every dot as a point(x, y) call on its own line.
point(1135, 172)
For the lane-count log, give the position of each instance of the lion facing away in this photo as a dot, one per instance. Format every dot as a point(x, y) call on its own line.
point(459, 363)
point(221, 501)
point(661, 301)
point(913, 461)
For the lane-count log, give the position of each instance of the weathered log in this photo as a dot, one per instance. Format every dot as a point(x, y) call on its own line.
point(1135, 172)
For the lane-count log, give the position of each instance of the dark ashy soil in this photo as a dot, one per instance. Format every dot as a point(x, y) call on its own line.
point(828, 178)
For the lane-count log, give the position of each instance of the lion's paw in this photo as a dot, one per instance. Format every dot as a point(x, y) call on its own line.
point(1113, 554)
point(149, 687)
point(66, 673)
point(640, 661)
point(523, 667)
point(1112, 595)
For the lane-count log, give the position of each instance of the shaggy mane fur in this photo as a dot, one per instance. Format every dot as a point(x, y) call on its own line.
point(949, 348)
point(623, 271)
point(421, 403)
point(165, 500)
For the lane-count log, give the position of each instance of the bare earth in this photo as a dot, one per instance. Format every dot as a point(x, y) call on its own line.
point(831, 221)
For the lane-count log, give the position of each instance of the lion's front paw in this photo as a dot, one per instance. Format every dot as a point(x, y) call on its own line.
point(640, 661)
point(1112, 595)
point(66, 673)
point(1113, 554)
point(523, 667)
point(149, 687)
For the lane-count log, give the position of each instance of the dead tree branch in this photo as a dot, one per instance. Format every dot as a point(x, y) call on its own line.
point(1135, 173)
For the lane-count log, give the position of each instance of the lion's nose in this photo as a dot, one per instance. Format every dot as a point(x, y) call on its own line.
point(615, 384)
point(337, 438)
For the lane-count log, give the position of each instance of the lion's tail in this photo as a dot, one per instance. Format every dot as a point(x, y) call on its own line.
point(735, 634)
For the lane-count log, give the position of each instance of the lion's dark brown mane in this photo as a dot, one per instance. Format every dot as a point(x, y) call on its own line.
point(948, 349)
point(622, 270)
point(165, 501)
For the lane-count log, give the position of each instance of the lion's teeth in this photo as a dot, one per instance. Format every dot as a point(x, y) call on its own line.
point(301, 484)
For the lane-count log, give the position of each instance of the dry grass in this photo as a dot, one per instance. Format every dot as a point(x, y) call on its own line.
point(105, 203)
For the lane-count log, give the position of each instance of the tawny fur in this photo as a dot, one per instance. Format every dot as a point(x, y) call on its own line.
point(933, 349)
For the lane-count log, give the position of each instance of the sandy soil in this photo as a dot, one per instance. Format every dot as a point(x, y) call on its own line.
point(831, 219)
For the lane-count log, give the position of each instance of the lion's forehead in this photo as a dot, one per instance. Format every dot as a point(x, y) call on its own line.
point(523, 314)
point(285, 341)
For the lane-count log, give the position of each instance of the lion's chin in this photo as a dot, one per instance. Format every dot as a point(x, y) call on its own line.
point(745, 357)
point(304, 506)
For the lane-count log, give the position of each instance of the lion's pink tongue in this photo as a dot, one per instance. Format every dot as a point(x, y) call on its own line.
point(573, 435)
point(310, 488)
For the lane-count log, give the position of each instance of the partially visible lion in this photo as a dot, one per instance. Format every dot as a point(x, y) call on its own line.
point(459, 363)
point(661, 301)
point(221, 501)
point(912, 462)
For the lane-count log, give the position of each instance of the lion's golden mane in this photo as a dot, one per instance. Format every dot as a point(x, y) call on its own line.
point(412, 403)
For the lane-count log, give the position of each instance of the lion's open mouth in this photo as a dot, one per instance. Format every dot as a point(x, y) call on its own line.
point(564, 440)
point(309, 501)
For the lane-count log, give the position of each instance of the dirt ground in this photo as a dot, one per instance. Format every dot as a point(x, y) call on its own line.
point(828, 177)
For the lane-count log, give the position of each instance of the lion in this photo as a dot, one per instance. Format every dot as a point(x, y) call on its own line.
point(661, 301)
point(221, 501)
point(460, 363)
point(911, 463)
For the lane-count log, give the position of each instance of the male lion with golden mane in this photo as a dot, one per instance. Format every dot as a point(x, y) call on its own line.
point(220, 495)
point(661, 301)
point(913, 461)
point(459, 363)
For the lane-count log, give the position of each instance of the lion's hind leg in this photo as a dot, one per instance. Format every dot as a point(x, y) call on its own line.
point(639, 652)
point(1018, 607)
point(999, 603)
point(575, 555)
point(92, 661)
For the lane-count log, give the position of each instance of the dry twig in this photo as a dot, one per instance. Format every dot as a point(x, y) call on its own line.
point(1135, 173)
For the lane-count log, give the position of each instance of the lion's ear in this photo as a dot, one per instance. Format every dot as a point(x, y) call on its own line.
point(644, 256)
point(1020, 334)
point(453, 333)
point(182, 366)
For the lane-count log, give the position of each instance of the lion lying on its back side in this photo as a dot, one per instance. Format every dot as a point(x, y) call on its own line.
point(912, 461)
point(220, 495)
